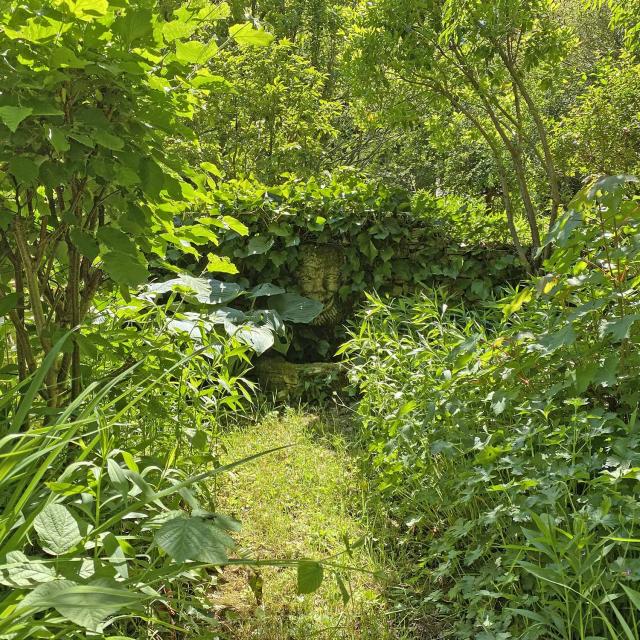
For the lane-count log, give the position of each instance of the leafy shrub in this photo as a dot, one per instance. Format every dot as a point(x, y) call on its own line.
point(506, 438)
point(94, 94)
point(390, 242)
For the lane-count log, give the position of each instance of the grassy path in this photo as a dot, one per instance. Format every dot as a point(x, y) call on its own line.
point(296, 503)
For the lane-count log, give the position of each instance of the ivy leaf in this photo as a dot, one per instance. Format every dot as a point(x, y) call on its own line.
point(310, 576)
point(246, 35)
point(13, 116)
point(259, 244)
point(57, 529)
point(193, 538)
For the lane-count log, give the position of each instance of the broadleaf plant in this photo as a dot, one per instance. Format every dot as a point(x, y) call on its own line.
point(93, 95)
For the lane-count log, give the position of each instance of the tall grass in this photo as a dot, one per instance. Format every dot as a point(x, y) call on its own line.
point(95, 537)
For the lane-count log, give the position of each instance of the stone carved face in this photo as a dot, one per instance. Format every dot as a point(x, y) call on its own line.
point(319, 277)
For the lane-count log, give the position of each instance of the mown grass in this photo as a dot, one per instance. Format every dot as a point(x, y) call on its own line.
point(299, 502)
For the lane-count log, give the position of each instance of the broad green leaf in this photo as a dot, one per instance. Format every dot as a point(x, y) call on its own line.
point(633, 595)
point(85, 243)
point(88, 9)
point(259, 244)
point(134, 25)
point(195, 52)
point(86, 605)
point(65, 58)
point(57, 529)
point(18, 570)
point(265, 289)
point(618, 328)
point(23, 169)
point(8, 302)
point(193, 538)
point(211, 168)
point(108, 140)
point(152, 177)
point(235, 225)
point(58, 139)
point(246, 35)
point(116, 240)
point(177, 29)
point(220, 264)
point(204, 290)
point(550, 342)
point(309, 576)
point(293, 307)
point(38, 30)
point(125, 268)
point(260, 339)
point(13, 116)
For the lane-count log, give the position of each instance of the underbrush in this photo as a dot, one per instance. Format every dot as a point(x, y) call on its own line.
point(506, 439)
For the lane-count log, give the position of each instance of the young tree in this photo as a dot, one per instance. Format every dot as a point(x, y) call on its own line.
point(94, 92)
point(490, 62)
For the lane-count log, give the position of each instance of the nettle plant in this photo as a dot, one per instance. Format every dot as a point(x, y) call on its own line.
point(94, 93)
point(506, 439)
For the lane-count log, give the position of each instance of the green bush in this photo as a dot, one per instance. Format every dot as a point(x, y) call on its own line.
point(507, 438)
point(391, 241)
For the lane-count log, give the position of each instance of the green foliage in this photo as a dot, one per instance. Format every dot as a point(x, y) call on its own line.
point(84, 542)
point(390, 241)
point(505, 439)
point(268, 115)
point(89, 186)
point(601, 133)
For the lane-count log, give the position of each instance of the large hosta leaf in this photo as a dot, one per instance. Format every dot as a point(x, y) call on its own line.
point(87, 605)
point(204, 290)
point(193, 538)
point(296, 308)
point(57, 529)
point(260, 339)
